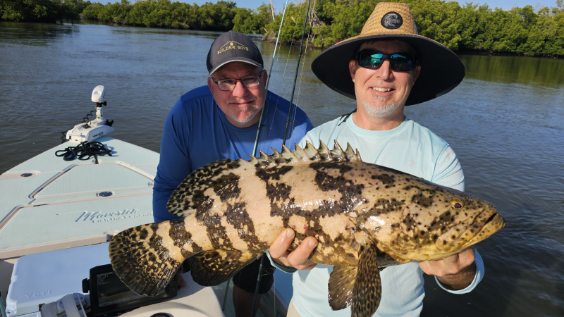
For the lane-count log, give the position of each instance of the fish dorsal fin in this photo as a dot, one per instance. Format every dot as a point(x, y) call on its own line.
point(188, 196)
point(300, 153)
point(309, 153)
point(352, 154)
point(263, 156)
point(288, 154)
point(324, 152)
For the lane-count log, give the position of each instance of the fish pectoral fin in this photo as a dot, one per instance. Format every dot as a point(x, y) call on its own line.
point(217, 266)
point(341, 283)
point(367, 288)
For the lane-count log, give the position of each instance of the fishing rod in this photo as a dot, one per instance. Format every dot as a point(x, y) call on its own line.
point(255, 146)
point(290, 118)
point(257, 136)
point(291, 111)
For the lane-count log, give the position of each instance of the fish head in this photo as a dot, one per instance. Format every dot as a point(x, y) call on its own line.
point(461, 222)
point(433, 223)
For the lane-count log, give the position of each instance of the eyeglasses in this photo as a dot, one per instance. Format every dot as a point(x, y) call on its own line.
point(228, 84)
point(399, 62)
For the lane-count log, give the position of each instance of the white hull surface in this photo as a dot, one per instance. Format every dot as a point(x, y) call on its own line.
point(56, 217)
point(49, 203)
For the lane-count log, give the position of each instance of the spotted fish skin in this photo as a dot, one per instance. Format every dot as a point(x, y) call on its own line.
point(364, 216)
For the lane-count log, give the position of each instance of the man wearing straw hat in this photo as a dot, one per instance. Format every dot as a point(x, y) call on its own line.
point(385, 68)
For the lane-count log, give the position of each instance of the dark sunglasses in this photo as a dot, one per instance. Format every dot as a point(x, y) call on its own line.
point(399, 61)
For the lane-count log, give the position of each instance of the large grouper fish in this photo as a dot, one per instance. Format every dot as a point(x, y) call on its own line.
point(364, 216)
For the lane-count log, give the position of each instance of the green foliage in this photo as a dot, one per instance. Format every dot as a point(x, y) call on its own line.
point(439, 21)
point(218, 16)
point(252, 22)
point(468, 28)
point(41, 10)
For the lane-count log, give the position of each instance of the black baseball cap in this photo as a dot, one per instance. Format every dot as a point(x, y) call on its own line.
point(233, 47)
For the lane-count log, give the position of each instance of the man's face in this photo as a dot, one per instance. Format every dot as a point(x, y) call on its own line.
point(382, 93)
point(242, 105)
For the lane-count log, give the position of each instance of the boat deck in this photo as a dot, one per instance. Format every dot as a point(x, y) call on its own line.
point(49, 203)
point(57, 216)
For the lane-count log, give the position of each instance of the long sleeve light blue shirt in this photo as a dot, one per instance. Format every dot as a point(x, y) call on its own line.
point(410, 148)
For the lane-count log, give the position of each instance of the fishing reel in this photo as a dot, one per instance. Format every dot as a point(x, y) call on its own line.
point(98, 127)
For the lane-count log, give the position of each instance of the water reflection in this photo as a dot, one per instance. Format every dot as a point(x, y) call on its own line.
point(143, 30)
point(33, 34)
point(515, 69)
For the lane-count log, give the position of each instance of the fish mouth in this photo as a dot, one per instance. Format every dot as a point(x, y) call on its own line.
point(492, 224)
point(486, 224)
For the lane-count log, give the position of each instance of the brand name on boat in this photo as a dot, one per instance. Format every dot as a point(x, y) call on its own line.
point(109, 216)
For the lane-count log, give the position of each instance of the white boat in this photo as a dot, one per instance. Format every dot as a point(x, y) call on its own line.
point(56, 218)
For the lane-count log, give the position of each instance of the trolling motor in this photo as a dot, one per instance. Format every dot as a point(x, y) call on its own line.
point(93, 129)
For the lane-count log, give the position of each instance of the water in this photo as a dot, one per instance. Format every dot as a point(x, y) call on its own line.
point(505, 121)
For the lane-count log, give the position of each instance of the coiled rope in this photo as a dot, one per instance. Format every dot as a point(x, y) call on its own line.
point(84, 151)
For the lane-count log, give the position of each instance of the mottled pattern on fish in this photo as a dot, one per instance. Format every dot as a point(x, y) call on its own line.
point(364, 216)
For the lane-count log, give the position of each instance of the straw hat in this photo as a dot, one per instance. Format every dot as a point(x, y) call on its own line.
point(441, 69)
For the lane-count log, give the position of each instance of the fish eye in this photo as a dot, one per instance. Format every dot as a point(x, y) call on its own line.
point(456, 204)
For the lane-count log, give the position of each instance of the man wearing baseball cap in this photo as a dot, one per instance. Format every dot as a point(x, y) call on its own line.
point(221, 121)
point(385, 68)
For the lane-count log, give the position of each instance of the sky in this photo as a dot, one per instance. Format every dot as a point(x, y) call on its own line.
point(279, 4)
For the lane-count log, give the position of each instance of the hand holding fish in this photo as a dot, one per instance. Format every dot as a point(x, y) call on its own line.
point(298, 258)
point(455, 272)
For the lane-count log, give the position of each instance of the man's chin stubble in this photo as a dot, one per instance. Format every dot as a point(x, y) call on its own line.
point(382, 111)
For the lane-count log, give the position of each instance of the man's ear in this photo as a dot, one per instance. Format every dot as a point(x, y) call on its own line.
point(353, 66)
point(210, 83)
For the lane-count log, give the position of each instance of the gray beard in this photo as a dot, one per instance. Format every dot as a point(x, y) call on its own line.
point(381, 112)
point(248, 122)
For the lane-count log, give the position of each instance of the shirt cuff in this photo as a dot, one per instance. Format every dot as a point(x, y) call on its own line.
point(480, 271)
point(283, 268)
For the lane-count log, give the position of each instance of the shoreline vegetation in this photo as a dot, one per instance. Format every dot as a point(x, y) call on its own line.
point(471, 28)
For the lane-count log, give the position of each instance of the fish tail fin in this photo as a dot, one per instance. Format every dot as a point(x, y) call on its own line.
point(146, 257)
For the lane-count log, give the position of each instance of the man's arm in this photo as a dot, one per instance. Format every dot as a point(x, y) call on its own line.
point(174, 162)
